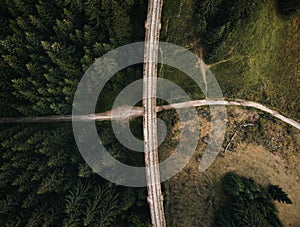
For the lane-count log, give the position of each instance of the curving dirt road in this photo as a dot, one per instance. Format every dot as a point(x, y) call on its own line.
point(125, 113)
point(149, 111)
point(244, 103)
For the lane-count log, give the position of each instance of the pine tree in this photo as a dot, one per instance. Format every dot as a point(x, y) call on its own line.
point(249, 204)
point(288, 7)
point(45, 47)
point(278, 194)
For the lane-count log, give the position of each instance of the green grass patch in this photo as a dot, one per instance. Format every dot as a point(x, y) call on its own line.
point(265, 53)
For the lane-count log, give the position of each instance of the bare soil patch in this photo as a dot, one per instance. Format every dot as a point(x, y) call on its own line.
point(268, 152)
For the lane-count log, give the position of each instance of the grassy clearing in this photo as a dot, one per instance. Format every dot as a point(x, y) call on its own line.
point(256, 44)
point(264, 67)
point(268, 70)
point(285, 84)
point(191, 198)
point(264, 52)
point(177, 28)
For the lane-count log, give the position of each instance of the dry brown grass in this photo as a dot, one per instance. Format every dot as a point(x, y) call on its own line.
point(191, 198)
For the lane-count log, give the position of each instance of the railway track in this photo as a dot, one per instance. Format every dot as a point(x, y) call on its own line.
point(155, 197)
point(149, 110)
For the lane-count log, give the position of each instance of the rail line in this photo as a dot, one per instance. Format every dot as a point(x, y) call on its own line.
point(149, 111)
point(155, 197)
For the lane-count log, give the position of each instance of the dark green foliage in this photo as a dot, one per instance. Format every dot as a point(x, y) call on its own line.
point(249, 204)
point(278, 194)
point(288, 7)
point(91, 205)
point(45, 48)
point(215, 20)
point(242, 188)
point(225, 217)
point(44, 181)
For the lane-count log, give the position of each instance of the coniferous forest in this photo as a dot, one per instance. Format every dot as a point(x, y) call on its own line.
point(45, 48)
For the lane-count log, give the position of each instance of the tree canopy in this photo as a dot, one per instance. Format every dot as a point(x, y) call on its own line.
point(45, 48)
point(248, 203)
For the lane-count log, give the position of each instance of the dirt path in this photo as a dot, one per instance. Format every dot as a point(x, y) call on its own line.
point(202, 68)
point(125, 113)
point(198, 103)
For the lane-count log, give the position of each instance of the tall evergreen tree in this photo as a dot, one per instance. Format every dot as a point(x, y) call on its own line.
point(249, 204)
point(288, 7)
point(45, 47)
point(278, 194)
